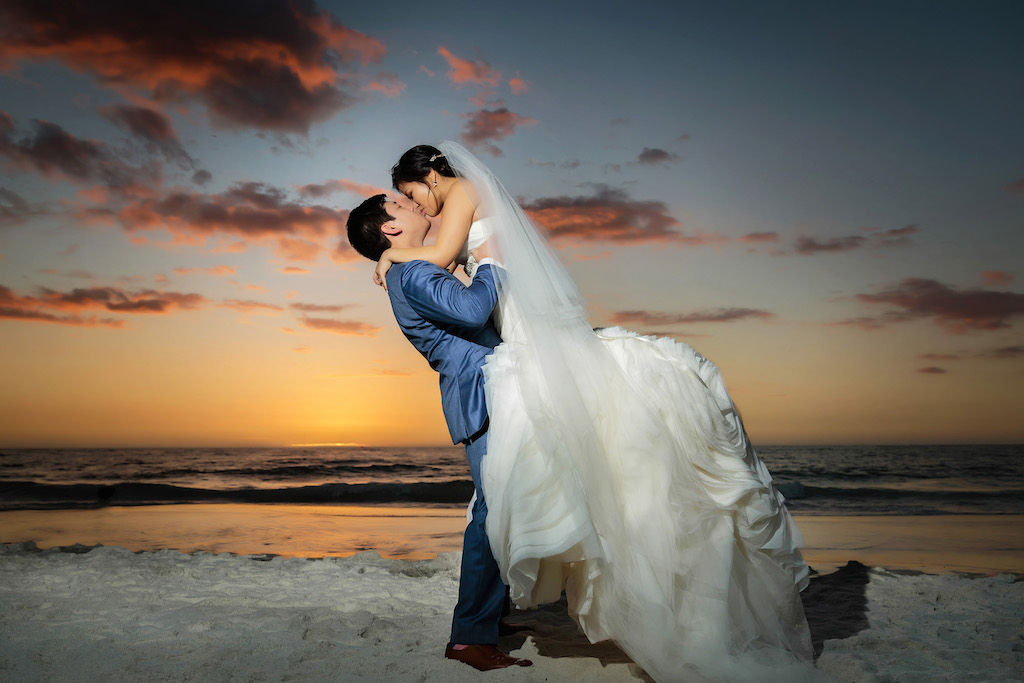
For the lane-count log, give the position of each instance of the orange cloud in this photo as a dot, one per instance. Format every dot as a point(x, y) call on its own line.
point(40, 316)
point(277, 68)
point(299, 249)
point(155, 129)
point(866, 323)
point(1003, 352)
point(997, 277)
point(1006, 352)
point(318, 308)
point(345, 327)
point(462, 71)
point(250, 306)
point(592, 257)
point(1015, 188)
point(257, 213)
point(112, 299)
point(55, 153)
point(319, 190)
point(486, 126)
point(14, 209)
point(811, 245)
point(758, 237)
point(932, 371)
point(518, 85)
point(64, 307)
point(387, 83)
point(955, 310)
point(718, 315)
point(654, 155)
point(216, 270)
point(487, 98)
point(610, 215)
point(567, 165)
point(31, 309)
point(896, 237)
point(344, 253)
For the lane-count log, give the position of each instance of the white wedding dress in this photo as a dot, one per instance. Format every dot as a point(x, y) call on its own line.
point(618, 469)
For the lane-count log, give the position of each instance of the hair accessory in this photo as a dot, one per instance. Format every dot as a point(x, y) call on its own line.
point(435, 157)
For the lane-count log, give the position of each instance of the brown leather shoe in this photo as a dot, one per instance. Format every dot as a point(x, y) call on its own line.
point(484, 657)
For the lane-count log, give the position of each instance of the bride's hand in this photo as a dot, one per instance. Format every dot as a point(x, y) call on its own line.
point(482, 252)
point(383, 266)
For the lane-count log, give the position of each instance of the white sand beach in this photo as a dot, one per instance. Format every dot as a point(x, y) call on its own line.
point(112, 614)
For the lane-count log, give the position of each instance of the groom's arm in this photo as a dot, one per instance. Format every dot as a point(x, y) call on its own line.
point(439, 296)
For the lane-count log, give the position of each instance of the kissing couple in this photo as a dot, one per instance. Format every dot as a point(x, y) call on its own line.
point(607, 464)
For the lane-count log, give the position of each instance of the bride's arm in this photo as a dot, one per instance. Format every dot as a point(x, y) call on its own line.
point(456, 219)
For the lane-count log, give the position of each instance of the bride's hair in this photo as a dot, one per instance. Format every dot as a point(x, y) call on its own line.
point(417, 163)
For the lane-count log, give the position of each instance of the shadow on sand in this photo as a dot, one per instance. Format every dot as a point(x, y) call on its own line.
point(555, 634)
point(835, 605)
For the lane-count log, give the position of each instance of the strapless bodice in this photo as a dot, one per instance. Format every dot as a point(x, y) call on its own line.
point(479, 232)
point(506, 317)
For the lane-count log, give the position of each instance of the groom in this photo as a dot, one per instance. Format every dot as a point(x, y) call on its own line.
point(449, 323)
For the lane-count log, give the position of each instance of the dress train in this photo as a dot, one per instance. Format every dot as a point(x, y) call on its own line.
point(674, 542)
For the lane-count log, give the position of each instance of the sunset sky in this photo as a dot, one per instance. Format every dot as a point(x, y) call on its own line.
point(825, 199)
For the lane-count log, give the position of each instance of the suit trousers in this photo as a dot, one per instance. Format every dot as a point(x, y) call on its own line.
point(482, 595)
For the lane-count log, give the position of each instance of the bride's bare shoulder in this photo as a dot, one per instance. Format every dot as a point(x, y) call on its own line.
point(465, 196)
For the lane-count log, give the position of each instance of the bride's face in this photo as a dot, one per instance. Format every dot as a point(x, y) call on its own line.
point(421, 195)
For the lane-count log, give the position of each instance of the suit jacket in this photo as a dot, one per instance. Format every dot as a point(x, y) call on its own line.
point(449, 323)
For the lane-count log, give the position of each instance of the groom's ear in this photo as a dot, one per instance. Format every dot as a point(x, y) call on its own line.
point(390, 229)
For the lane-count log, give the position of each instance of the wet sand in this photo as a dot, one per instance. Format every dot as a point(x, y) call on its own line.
point(937, 543)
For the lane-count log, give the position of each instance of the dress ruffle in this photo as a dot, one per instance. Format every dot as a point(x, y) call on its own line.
point(688, 558)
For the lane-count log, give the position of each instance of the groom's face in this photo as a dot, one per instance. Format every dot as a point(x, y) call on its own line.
point(405, 224)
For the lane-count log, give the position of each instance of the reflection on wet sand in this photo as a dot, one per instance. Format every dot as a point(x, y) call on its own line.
point(935, 543)
point(409, 533)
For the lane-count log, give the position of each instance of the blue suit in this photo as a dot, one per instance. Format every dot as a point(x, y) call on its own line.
point(449, 323)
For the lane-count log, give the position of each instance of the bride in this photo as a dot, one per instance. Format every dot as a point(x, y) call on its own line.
point(618, 469)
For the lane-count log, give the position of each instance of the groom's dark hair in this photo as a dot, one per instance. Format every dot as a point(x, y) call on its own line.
point(364, 224)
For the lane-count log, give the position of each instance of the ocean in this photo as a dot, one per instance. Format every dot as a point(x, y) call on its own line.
point(816, 480)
